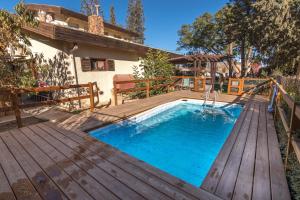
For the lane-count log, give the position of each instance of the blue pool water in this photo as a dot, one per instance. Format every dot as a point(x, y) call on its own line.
point(182, 140)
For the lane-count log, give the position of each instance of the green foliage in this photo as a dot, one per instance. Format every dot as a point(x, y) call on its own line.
point(14, 70)
point(88, 8)
point(136, 19)
point(276, 33)
point(261, 30)
point(203, 35)
point(12, 38)
point(112, 15)
point(156, 64)
point(292, 87)
point(293, 172)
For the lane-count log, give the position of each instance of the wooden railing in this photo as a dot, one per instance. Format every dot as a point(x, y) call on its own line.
point(237, 86)
point(290, 123)
point(198, 85)
point(290, 119)
point(15, 93)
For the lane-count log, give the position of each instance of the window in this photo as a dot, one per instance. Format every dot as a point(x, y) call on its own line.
point(97, 64)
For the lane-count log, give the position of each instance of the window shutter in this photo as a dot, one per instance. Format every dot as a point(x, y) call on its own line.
point(86, 65)
point(111, 65)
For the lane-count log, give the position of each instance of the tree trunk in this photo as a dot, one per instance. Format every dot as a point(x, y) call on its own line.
point(195, 65)
point(230, 53)
point(248, 58)
point(243, 57)
point(298, 70)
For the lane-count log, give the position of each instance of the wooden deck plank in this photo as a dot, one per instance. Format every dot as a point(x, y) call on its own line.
point(261, 184)
point(94, 145)
point(110, 154)
point(279, 186)
point(64, 181)
point(43, 184)
point(249, 161)
point(211, 181)
point(131, 170)
point(131, 181)
point(21, 185)
point(244, 183)
point(227, 182)
point(6, 192)
point(94, 188)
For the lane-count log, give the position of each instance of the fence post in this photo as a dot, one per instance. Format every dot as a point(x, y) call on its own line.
point(15, 104)
point(241, 86)
point(91, 91)
point(270, 90)
point(147, 88)
point(229, 86)
point(291, 130)
point(115, 94)
point(196, 85)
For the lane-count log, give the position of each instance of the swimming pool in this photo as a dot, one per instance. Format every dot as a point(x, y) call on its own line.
point(182, 138)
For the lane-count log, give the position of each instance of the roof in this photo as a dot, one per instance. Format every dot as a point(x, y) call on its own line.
point(198, 57)
point(60, 33)
point(63, 11)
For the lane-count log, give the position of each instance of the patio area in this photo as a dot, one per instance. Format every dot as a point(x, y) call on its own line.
point(60, 161)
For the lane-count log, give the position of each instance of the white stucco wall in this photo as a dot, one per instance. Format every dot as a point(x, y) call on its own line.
point(49, 51)
point(124, 62)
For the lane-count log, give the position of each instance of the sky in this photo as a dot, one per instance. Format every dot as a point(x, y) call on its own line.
point(163, 18)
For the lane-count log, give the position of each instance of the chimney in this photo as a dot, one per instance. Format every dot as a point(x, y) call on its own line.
point(95, 23)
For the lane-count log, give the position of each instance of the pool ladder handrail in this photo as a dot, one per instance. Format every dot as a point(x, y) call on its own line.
point(207, 94)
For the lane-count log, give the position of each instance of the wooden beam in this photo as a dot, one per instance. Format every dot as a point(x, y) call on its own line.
point(91, 92)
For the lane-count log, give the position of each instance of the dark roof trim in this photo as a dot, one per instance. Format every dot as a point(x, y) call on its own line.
point(60, 33)
point(198, 57)
point(63, 11)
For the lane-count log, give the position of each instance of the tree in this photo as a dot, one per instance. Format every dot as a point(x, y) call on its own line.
point(267, 30)
point(14, 69)
point(88, 7)
point(155, 64)
point(240, 21)
point(136, 19)
point(276, 30)
point(201, 36)
point(112, 15)
point(207, 34)
point(229, 31)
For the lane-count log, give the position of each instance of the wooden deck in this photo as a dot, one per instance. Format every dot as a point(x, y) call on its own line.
point(249, 166)
point(45, 161)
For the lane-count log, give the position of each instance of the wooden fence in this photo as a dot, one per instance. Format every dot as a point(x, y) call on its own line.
point(197, 84)
point(286, 108)
point(237, 86)
point(15, 94)
point(290, 119)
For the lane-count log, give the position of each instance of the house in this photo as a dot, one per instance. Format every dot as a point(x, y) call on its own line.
point(97, 50)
